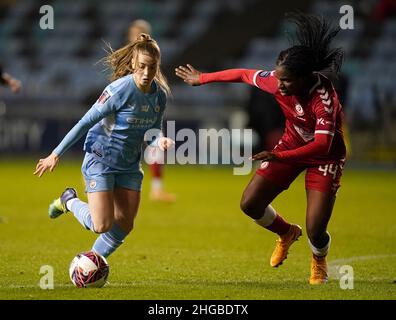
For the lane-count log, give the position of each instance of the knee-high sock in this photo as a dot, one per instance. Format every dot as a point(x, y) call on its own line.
point(109, 241)
point(80, 210)
point(273, 221)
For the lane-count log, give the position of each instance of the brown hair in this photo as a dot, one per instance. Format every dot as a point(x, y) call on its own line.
point(120, 61)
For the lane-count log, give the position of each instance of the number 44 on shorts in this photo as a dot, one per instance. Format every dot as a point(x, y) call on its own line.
point(329, 168)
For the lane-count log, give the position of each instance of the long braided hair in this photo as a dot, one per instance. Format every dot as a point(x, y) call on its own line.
point(312, 53)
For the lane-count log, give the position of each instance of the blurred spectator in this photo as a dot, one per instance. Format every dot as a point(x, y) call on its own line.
point(265, 118)
point(9, 81)
point(137, 27)
point(341, 85)
point(157, 192)
point(383, 10)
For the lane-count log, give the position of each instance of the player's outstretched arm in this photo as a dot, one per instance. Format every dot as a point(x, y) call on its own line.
point(194, 77)
point(48, 163)
point(189, 74)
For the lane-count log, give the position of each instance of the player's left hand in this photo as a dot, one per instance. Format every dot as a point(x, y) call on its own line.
point(264, 156)
point(165, 143)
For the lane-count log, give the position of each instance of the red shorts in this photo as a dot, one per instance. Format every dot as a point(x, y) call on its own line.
point(324, 178)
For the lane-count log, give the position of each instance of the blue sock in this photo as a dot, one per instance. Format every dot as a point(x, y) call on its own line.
point(80, 210)
point(109, 241)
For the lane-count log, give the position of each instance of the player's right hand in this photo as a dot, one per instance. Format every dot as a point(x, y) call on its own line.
point(189, 74)
point(48, 163)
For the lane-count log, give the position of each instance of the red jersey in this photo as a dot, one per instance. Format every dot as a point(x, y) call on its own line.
point(313, 132)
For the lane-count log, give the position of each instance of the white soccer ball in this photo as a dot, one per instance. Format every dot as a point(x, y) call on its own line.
point(89, 269)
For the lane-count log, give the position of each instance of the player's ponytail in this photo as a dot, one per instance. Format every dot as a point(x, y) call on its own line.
point(312, 51)
point(121, 60)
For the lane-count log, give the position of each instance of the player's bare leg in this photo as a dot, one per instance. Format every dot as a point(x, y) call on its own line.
point(255, 202)
point(125, 207)
point(97, 215)
point(319, 209)
point(101, 209)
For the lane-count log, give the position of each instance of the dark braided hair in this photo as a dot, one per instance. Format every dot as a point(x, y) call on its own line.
point(312, 51)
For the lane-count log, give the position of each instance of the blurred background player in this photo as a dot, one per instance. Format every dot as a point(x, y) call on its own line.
point(157, 192)
point(9, 81)
point(129, 106)
point(313, 140)
point(265, 118)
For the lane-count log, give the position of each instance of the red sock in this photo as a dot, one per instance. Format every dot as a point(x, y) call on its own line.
point(279, 226)
point(156, 171)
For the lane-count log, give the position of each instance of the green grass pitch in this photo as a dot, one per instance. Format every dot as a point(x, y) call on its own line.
point(202, 246)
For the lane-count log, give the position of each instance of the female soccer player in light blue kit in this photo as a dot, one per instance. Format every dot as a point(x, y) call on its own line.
point(129, 106)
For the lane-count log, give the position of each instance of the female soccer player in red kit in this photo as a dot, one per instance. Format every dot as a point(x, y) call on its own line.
point(312, 141)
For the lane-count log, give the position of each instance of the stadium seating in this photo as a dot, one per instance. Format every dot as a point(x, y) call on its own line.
point(61, 64)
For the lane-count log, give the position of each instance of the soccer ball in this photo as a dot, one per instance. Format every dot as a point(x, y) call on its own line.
point(89, 269)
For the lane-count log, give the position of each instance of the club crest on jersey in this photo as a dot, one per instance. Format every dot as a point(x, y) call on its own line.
point(299, 110)
point(104, 97)
point(264, 165)
point(157, 109)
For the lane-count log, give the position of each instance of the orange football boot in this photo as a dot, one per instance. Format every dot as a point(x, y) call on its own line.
point(318, 270)
point(283, 244)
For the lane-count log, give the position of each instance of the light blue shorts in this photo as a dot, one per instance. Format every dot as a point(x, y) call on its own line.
point(100, 177)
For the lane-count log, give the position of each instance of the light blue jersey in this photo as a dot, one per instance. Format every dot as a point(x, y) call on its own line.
point(117, 123)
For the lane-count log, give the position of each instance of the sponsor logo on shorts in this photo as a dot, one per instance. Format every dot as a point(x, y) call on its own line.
point(92, 184)
point(264, 165)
